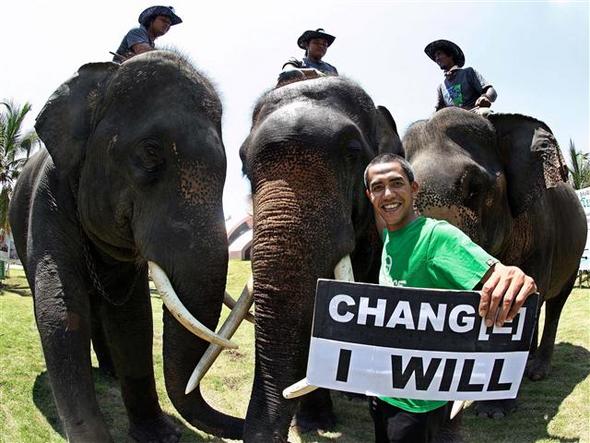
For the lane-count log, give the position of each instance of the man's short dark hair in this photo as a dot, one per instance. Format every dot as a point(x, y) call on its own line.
point(388, 158)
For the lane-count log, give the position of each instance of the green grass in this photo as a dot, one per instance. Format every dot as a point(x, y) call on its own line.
point(553, 410)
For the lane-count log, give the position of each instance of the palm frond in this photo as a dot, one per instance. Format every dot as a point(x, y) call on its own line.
point(15, 148)
point(580, 167)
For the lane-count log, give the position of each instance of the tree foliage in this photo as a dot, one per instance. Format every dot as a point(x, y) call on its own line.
point(580, 169)
point(15, 148)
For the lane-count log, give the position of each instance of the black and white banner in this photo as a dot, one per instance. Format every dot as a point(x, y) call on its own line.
point(415, 343)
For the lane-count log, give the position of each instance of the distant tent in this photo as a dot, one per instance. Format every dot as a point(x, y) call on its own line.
point(239, 238)
point(584, 196)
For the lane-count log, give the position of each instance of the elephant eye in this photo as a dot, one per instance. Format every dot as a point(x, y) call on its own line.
point(472, 190)
point(149, 157)
point(354, 145)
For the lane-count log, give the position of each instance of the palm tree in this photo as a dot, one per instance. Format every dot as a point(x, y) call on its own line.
point(580, 170)
point(15, 148)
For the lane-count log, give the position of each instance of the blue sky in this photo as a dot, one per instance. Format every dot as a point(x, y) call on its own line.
point(536, 54)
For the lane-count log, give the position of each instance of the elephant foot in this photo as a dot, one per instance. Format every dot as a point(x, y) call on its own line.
point(159, 430)
point(305, 423)
point(537, 369)
point(495, 408)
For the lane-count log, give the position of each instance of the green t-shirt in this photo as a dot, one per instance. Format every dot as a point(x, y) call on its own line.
point(432, 254)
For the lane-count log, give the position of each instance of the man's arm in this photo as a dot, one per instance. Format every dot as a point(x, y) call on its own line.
point(460, 263)
point(487, 91)
point(141, 47)
point(504, 290)
point(138, 41)
point(291, 73)
point(487, 98)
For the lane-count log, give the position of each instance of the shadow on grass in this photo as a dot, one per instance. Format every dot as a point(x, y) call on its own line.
point(538, 402)
point(23, 291)
point(108, 394)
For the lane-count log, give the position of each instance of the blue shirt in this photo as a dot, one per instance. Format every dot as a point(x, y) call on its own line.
point(461, 88)
point(134, 37)
point(321, 66)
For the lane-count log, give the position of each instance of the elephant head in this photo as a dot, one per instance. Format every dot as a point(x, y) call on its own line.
point(491, 177)
point(138, 149)
point(503, 181)
point(305, 156)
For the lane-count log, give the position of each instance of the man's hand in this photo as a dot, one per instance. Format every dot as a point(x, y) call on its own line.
point(503, 293)
point(140, 48)
point(311, 73)
point(483, 102)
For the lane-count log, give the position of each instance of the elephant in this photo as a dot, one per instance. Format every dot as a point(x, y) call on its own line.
point(132, 174)
point(503, 181)
point(305, 157)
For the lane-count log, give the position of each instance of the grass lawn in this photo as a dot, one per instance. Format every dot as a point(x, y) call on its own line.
point(553, 410)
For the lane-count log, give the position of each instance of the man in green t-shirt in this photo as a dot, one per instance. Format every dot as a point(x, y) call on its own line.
point(428, 253)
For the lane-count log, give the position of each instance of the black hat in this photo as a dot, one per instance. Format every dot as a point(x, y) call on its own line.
point(318, 33)
point(447, 46)
point(154, 11)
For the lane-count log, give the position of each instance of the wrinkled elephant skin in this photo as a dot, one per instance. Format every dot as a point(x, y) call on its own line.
point(305, 156)
point(133, 172)
point(503, 181)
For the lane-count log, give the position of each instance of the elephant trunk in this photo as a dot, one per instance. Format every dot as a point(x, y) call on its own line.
point(179, 362)
point(294, 245)
point(200, 286)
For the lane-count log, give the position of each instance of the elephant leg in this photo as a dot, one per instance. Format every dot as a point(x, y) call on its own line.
point(62, 311)
point(315, 412)
point(129, 333)
point(539, 365)
point(99, 341)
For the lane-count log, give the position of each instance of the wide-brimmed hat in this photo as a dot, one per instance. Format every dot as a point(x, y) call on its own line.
point(318, 33)
point(447, 46)
point(154, 11)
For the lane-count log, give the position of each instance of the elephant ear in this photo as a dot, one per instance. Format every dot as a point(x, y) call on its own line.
point(388, 140)
point(244, 156)
point(66, 120)
point(530, 156)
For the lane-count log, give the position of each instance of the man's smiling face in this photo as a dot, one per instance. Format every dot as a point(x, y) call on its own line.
point(392, 194)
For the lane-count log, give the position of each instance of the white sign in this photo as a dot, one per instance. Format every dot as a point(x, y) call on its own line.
point(584, 196)
point(415, 343)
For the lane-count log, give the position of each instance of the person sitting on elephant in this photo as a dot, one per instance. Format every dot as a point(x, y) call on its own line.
point(316, 44)
point(462, 87)
point(155, 21)
point(429, 253)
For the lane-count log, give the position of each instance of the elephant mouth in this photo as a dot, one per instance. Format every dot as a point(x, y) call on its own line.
point(342, 271)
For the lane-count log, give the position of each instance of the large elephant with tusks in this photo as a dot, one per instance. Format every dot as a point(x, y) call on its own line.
point(503, 181)
point(132, 177)
point(305, 156)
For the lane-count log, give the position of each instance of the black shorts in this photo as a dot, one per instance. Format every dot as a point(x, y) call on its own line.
point(394, 425)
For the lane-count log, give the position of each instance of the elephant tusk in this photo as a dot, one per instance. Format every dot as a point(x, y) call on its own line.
point(342, 271)
point(231, 303)
point(227, 330)
point(178, 310)
point(457, 406)
point(298, 389)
